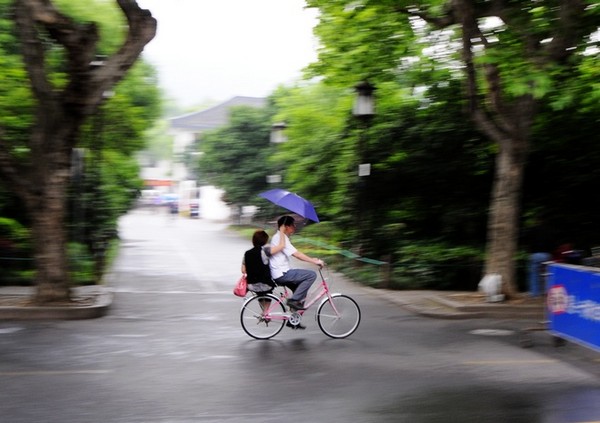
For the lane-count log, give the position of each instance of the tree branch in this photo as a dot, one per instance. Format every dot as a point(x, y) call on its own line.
point(569, 29)
point(33, 52)
point(142, 29)
point(86, 86)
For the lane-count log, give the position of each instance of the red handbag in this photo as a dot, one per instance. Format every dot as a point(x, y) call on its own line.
point(241, 287)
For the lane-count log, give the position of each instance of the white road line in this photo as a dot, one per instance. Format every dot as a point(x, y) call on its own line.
point(509, 362)
point(55, 372)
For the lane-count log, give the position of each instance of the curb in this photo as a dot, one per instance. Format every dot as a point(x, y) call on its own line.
point(433, 305)
point(449, 315)
point(102, 300)
point(426, 305)
point(495, 310)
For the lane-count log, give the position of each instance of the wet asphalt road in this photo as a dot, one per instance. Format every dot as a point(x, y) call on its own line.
point(171, 350)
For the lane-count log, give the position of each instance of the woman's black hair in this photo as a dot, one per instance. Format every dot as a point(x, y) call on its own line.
point(259, 238)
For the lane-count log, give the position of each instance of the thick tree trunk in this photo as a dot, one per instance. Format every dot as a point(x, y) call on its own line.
point(507, 122)
point(48, 229)
point(503, 215)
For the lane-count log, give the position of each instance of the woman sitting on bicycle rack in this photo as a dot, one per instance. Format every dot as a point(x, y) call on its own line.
point(298, 280)
point(255, 264)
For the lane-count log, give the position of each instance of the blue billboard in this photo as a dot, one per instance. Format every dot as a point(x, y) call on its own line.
point(573, 303)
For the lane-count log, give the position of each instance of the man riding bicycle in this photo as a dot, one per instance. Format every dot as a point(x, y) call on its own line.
point(298, 280)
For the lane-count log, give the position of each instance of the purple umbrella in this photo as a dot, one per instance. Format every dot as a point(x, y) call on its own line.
point(292, 202)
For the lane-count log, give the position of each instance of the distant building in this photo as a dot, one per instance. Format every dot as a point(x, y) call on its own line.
point(187, 130)
point(174, 176)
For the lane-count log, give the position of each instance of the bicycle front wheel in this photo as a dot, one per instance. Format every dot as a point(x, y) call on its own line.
point(262, 316)
point(338, 316)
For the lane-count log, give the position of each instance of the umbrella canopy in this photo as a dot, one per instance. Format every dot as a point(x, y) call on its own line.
point(292, 202)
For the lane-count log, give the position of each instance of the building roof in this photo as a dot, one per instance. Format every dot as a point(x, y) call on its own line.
point(216, 116)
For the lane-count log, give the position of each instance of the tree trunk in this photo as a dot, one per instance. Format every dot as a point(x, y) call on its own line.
point(507, 122)
point(504, 215)
point(48, 229)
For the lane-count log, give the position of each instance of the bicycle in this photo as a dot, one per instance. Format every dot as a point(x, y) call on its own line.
point(264, 315)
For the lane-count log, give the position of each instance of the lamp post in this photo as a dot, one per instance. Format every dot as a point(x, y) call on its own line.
point(278, 133)
point(277, 137)
point(100, 212)
point(364, 104)
point(364, 111)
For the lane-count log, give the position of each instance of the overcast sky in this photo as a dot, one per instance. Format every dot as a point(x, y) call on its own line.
point(217, 49)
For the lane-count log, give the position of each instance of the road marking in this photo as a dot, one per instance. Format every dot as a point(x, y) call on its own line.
point(130, 335)
point(511, 362)
point(56, 372)
point(492, 332)
point(9, 330)
point(137, 291)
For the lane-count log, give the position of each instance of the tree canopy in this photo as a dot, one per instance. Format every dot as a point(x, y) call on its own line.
point(63, 60)
point(510, 57)
point(469, 99)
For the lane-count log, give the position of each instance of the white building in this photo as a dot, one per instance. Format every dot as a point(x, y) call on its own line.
point(186, 131)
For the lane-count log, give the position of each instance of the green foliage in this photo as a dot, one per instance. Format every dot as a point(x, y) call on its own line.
point(81, 264)
point(431, 171)
point(108, 189)
point(16, 234)
point(236, 156)
point(318, 156)
point(105, 14)
point(128, 114)
point(421, 151)
point(117, 132)
point(360, 41)
point(15, 252)
point(431, 264)
point(16, 102)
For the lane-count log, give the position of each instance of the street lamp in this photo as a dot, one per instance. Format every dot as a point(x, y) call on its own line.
point(277, 137)
point(100, 213)
point(273, 179)
point(364, 104)
point(278, 133)
point(364, 109)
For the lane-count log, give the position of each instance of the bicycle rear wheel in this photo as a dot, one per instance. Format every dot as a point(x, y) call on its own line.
point(262, 316)
point(338, 316)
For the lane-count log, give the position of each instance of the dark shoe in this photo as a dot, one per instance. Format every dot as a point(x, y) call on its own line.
point(298, 326)
point(295, 305)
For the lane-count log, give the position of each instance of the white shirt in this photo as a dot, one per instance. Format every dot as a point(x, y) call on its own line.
point(280, 262)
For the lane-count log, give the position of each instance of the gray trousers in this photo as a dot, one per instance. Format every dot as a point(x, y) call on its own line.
point(299, 281)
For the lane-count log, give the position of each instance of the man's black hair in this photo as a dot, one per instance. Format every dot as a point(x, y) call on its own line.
point(285, 220)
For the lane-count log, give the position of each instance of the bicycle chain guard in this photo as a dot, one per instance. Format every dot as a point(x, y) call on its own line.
point(295, 318)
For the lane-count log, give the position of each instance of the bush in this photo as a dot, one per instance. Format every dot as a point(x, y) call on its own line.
point(15, 253)
point(437, 266)
point(81, 264)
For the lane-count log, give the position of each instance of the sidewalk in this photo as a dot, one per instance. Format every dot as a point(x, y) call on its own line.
point(462, 305)
point(94, 301)
point(89, 302)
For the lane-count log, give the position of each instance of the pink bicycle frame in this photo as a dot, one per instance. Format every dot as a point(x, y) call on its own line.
point(323, 291)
